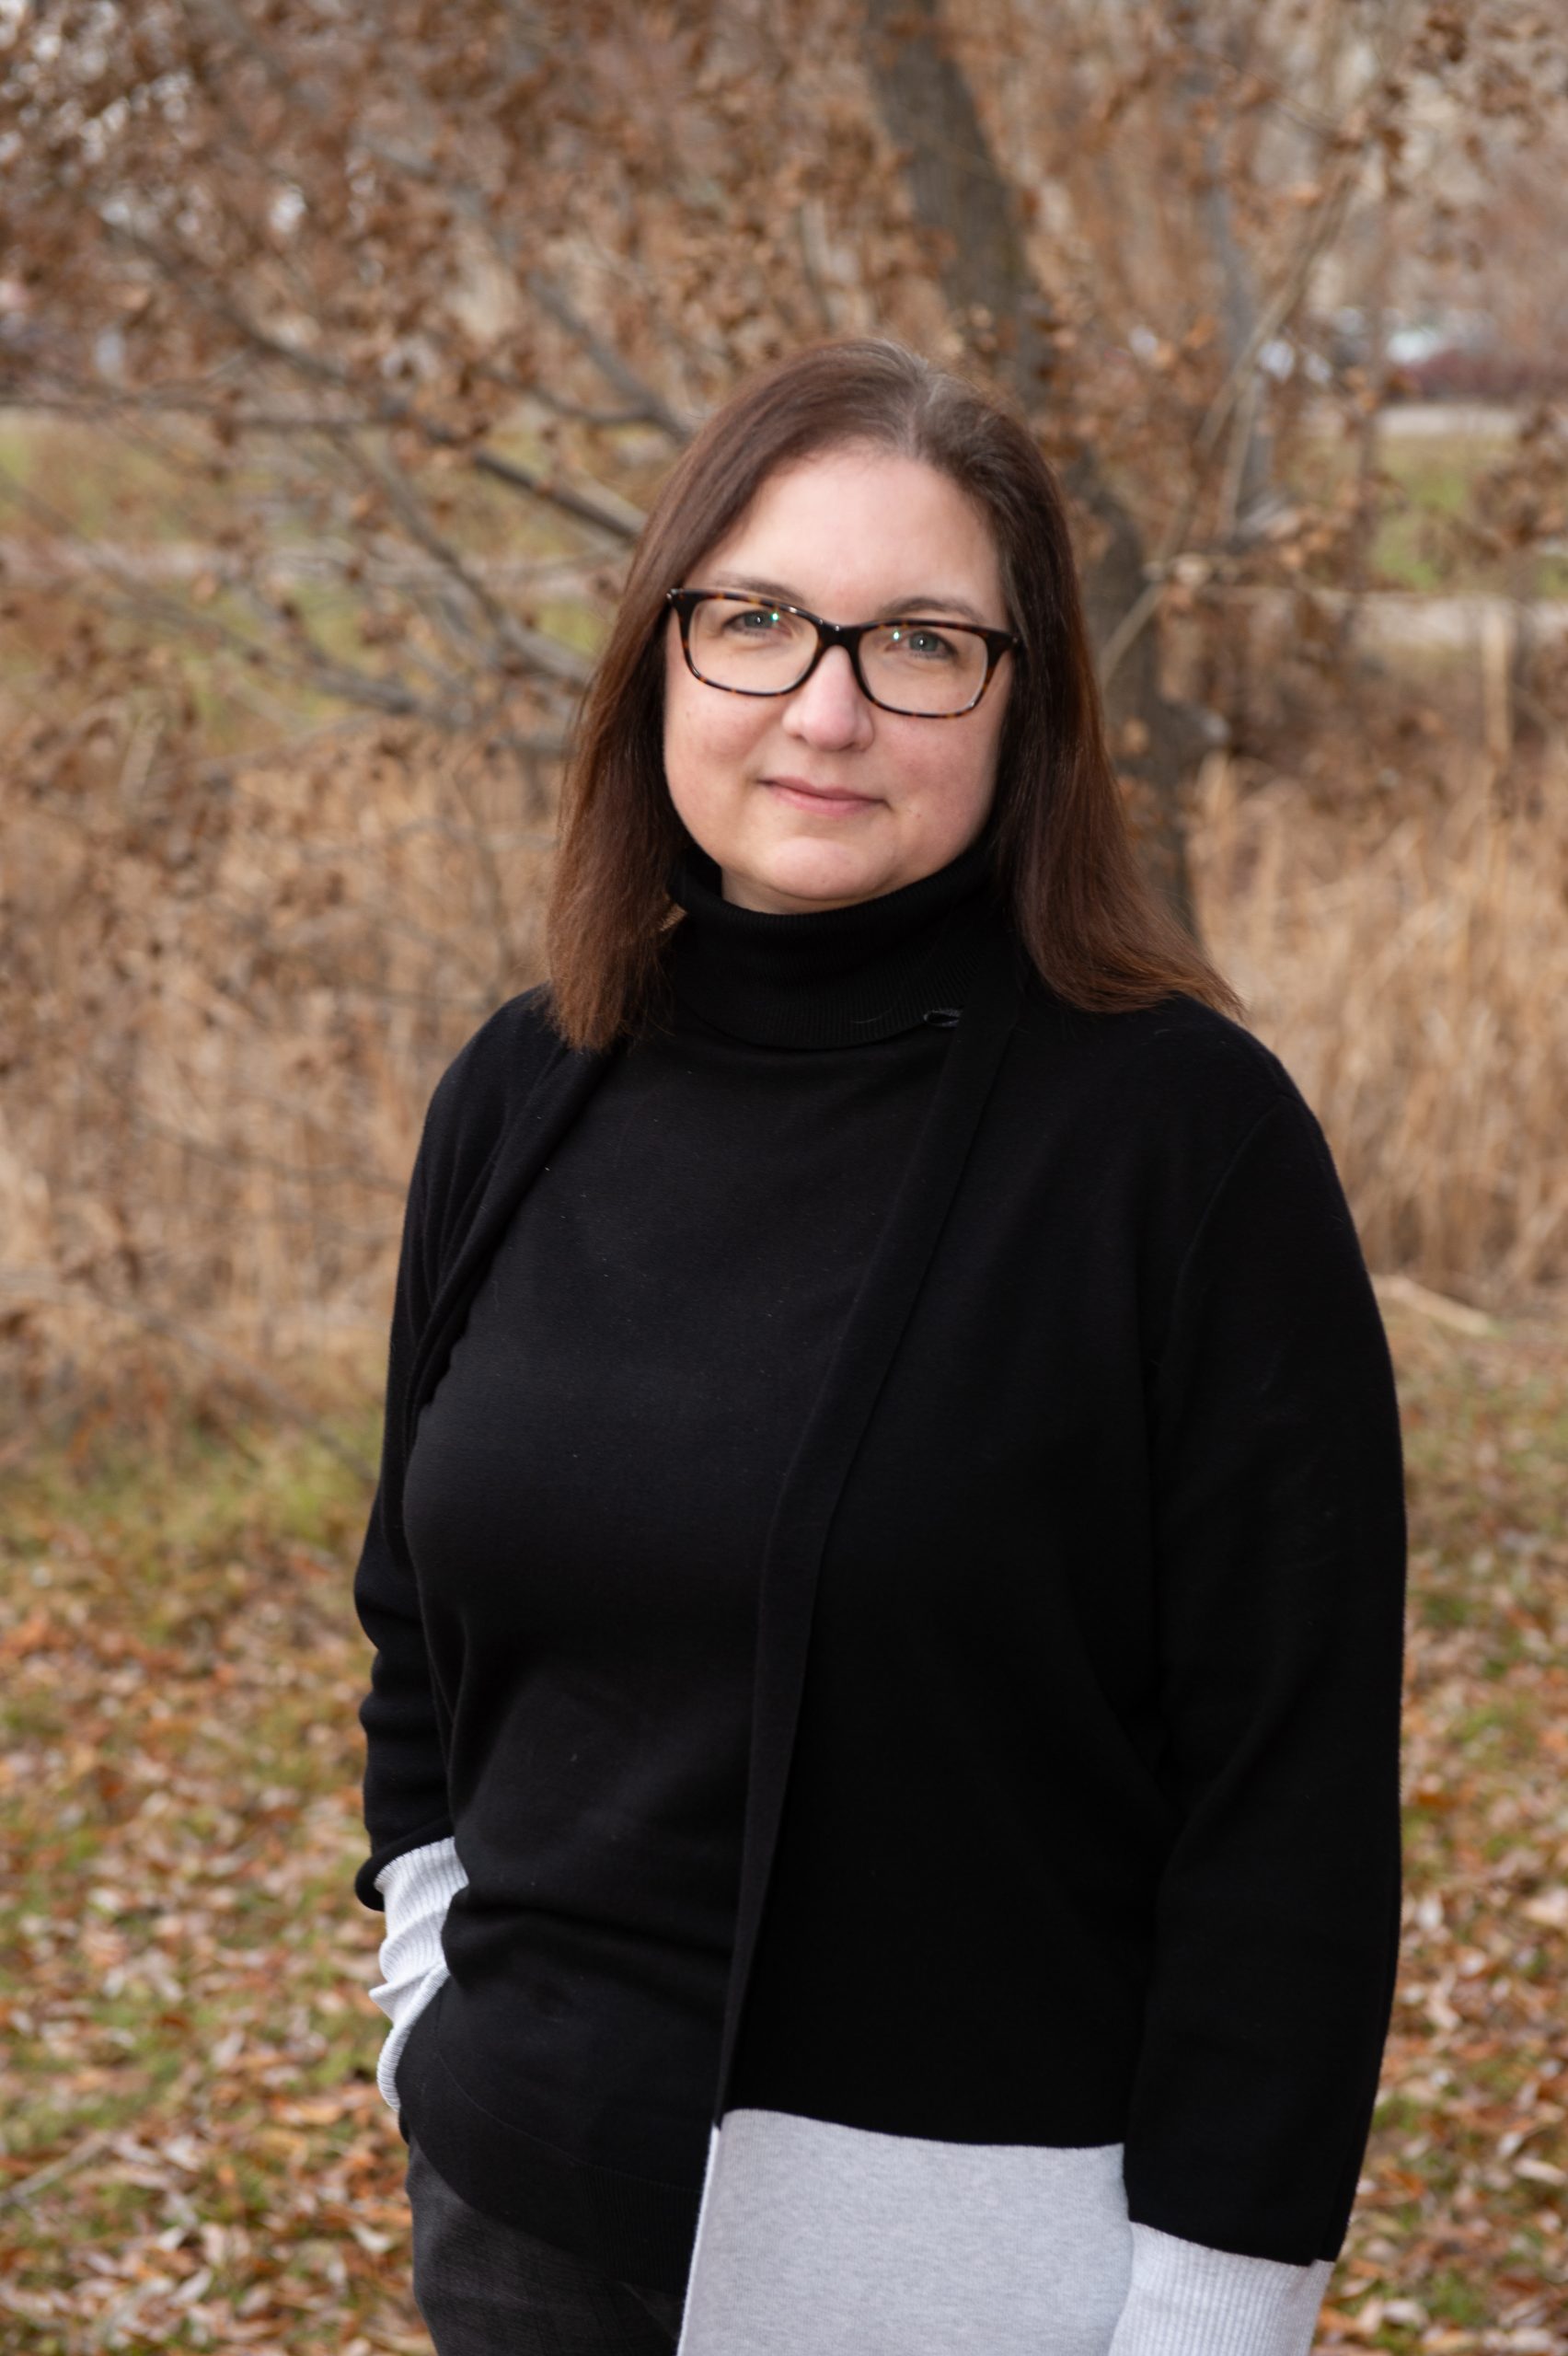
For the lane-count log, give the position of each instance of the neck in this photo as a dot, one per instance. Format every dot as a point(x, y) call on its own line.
point(830, 977)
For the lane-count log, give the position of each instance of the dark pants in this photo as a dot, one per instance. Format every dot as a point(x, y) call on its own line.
point(485, 2288)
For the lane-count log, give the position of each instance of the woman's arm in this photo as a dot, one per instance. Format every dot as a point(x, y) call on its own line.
point(405, 1776)
point(1280, 1568)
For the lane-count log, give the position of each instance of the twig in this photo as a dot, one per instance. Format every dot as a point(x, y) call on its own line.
point(1458, 1314)
point(41, 2178)
point(385, 409)
point(547, 654)
point(605, 359)
point(560, 405)
point(604, 511)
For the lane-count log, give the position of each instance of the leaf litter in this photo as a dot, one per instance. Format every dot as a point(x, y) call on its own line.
point(193, 2151)
point(193, 2154)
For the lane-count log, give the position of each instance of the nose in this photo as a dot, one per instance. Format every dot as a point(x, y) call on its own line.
point(829, 710)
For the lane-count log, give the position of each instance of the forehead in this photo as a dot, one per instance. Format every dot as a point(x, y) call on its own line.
point(862, 525)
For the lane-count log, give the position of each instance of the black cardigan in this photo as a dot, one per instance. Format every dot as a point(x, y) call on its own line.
point(1073, 1812)
point(587, 1507)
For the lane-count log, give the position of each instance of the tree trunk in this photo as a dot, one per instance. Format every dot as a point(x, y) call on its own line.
point(962, 196)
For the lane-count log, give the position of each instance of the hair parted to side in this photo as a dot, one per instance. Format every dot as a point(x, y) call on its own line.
point(1092, 925)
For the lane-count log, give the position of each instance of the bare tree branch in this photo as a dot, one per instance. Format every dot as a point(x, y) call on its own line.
point(539, 653)
point(647, 405)
point(612, 516)
point(1324, 227)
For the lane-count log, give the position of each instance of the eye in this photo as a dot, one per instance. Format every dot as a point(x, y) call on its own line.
point(919, 640)
point(755, 621)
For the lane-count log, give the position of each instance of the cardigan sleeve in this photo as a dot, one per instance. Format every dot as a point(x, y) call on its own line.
point(405, 1774)
point(1280, 1549)
point(406, 1724)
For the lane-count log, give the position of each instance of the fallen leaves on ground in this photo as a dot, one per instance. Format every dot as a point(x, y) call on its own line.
point(1458, 2240)
point(193, 2152)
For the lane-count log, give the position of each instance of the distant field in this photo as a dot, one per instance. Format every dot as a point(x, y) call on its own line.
point(195, 2154)
point(1434, 475)
point(121, 488)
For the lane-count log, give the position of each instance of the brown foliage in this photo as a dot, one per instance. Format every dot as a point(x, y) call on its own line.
point(372, 352)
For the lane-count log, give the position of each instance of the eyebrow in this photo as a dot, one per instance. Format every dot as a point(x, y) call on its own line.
point(934, 601)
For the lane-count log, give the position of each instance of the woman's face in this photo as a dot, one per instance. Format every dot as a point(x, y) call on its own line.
point(818, 798)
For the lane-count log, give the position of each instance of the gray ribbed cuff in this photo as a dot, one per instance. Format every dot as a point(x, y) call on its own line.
point(1187, 2300)
point(418, 1886)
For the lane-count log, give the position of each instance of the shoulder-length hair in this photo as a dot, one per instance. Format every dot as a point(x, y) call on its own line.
point(1065, 869)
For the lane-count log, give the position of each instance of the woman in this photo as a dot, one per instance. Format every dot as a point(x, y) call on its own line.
point(887, 1575)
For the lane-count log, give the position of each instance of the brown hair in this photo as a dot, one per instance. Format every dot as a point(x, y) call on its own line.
point(1092, 924)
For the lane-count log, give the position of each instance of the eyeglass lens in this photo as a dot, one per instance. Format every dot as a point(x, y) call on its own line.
point(920, 668)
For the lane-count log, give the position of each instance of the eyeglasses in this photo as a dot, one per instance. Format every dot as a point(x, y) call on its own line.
point(751, 646)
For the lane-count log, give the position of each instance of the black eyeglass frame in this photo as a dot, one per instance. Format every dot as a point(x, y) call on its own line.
point(847, 635)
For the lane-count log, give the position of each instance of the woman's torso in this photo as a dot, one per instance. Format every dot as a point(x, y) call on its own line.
point(588, 1501)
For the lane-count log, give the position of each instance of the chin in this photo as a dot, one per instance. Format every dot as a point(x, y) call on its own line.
point(811, 874)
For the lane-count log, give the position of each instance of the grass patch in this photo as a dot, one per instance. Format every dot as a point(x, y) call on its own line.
point(1429, 494)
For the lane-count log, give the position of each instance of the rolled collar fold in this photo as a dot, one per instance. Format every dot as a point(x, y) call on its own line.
point(839, 976)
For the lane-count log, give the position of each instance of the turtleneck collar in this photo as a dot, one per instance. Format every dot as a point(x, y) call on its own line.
point(839, 976)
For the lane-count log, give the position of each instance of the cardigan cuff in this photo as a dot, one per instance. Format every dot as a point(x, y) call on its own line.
point(418, 1887)
point(1187, 2300)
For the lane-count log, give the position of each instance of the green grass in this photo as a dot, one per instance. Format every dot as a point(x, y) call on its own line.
point(1430, 488)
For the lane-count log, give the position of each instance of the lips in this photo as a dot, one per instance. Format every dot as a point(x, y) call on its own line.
point(825, 799)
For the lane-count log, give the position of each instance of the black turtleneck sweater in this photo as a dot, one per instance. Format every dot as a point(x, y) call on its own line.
point(588, 1497)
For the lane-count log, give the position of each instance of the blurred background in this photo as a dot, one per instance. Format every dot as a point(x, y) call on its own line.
point(338, 356)
point(341, 349)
